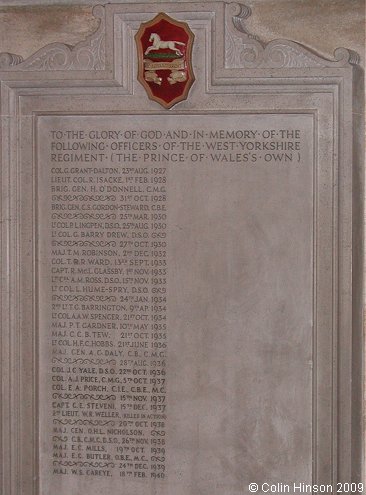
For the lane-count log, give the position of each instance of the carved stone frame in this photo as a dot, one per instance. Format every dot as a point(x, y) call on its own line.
point(98, 76)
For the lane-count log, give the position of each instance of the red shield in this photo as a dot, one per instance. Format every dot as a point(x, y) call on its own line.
point(164, 48)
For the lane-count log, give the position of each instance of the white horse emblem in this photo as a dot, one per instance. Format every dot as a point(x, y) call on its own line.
point(158, 44)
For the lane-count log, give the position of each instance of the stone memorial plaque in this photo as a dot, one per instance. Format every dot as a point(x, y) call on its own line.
point(181, 261)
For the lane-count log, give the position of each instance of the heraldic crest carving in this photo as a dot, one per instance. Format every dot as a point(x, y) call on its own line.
point(164, 48)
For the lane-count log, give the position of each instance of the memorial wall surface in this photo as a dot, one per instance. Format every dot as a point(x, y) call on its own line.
point(181, 260)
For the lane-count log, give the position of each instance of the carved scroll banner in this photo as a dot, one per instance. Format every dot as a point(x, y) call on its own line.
point(181, 310)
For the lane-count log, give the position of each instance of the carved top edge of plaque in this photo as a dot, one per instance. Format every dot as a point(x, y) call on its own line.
point(86, 55)
point(242, 50)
